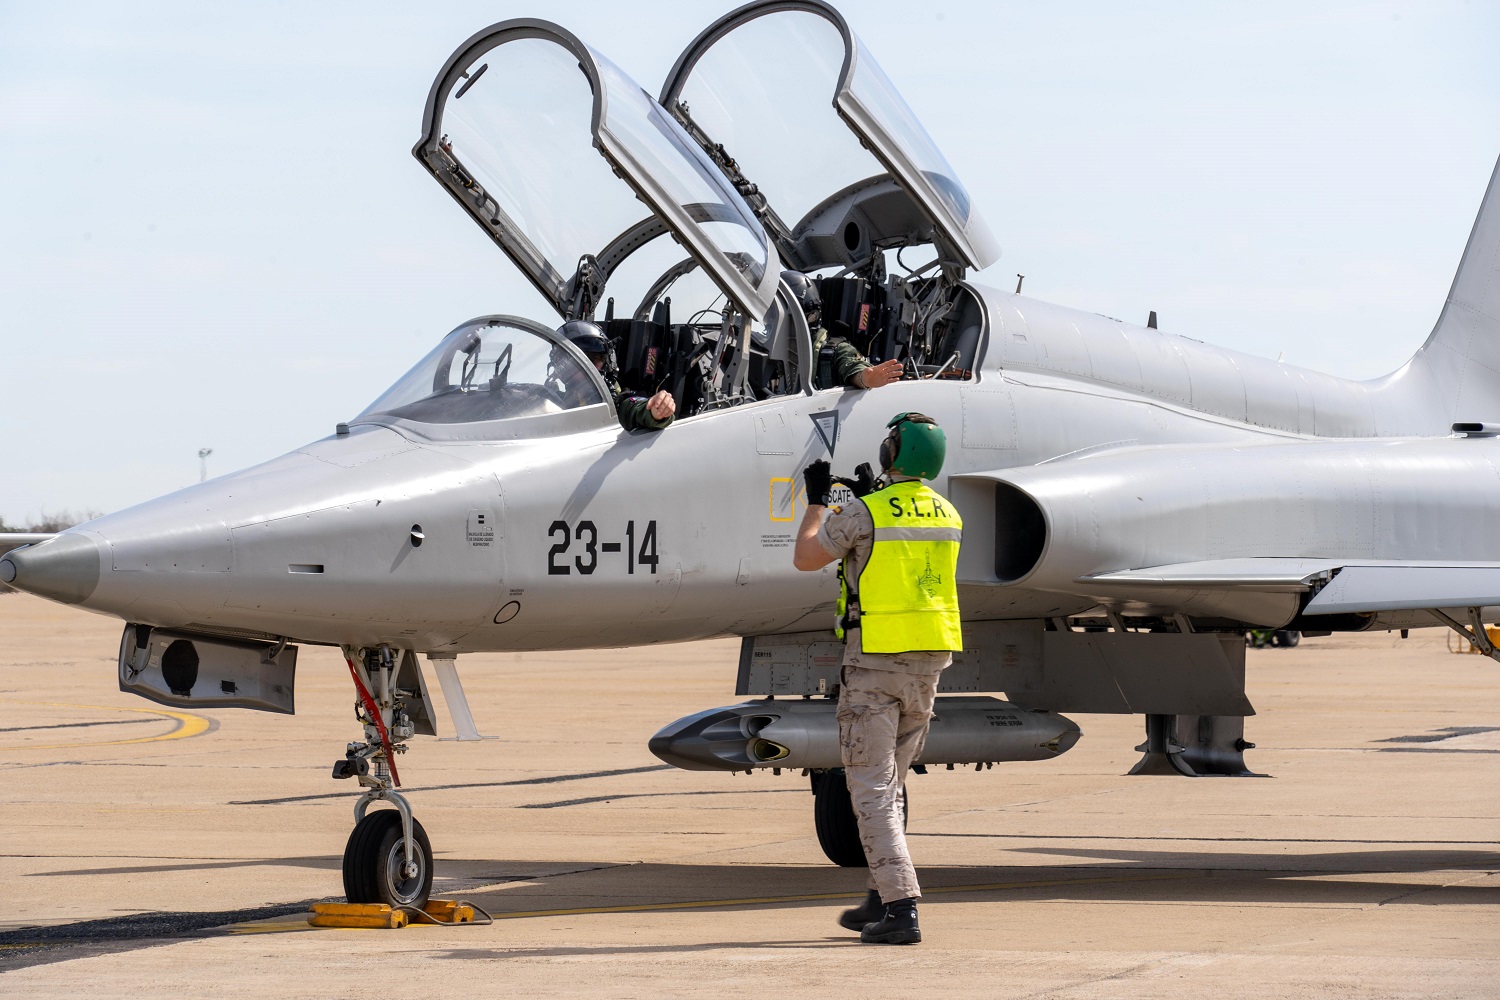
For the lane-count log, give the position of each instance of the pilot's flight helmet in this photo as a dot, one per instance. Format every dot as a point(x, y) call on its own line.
point(804, 290)
point(586, 335)
point(915, 446)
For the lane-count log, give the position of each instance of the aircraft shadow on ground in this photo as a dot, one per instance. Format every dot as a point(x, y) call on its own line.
point(1225, 878)
point(1158, 876)
point(600, 890)
point(1283, 864)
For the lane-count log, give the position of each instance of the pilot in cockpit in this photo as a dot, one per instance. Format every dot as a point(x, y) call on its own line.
point(838, 362)
point(636, 412)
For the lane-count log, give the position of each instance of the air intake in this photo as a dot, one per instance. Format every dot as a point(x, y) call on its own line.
point(1020, 534)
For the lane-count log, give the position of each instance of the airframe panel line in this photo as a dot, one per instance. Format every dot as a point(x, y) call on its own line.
point(188, 726)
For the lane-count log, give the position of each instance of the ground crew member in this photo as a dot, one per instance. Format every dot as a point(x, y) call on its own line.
point(898, 612)
point(836, 362)
point(636, 412)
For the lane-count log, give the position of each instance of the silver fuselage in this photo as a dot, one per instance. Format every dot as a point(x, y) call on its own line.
point(548, 543)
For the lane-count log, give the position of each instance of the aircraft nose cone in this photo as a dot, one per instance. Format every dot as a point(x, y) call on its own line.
point(65, 568)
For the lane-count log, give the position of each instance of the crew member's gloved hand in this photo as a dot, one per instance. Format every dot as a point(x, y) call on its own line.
point(819, 482)
point(863, 482)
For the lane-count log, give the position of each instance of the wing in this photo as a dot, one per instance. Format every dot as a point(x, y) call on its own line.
point(1337, 587)
point(1410, 586)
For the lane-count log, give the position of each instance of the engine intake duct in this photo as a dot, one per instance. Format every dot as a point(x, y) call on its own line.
point(1020, 533)
point(804, 733)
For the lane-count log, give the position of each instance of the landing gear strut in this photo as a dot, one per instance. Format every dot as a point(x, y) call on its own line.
point(388, 858)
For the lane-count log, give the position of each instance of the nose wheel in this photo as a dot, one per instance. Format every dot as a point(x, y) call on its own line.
point(378, 868)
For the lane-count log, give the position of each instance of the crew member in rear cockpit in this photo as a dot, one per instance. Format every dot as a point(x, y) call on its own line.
point(636, 412)
point(836, 361)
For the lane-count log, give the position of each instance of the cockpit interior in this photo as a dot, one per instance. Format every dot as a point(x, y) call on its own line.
point(669, 220)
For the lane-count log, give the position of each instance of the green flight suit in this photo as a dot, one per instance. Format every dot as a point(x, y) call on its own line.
point(847, 361)
point(631, 409)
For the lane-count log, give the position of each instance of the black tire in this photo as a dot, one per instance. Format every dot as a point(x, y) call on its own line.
point(835, 822)
point(1286, 638)
point(373, 859)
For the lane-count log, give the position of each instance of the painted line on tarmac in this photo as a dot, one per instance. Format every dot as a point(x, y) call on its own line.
point(188, 726)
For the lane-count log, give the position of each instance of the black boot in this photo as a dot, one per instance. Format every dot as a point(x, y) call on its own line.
point(868, 912)
point(898, 926)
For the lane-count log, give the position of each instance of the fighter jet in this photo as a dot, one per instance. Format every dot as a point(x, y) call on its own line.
point(1134, 501)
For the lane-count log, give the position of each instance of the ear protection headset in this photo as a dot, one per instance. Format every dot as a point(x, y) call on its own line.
point(914, 446)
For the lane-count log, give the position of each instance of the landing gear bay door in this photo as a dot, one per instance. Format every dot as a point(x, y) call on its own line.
point(196, 671)
point(551, 149)
point(754, 89)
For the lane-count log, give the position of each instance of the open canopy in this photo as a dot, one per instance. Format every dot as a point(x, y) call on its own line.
point(753, 82)
point(507, 131)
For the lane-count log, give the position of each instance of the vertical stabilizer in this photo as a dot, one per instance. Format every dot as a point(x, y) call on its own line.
point(1459, 366)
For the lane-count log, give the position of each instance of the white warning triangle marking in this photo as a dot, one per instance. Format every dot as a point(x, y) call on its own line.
point(827, 426)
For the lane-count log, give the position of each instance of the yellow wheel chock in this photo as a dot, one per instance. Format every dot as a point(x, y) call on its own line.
point(450, 911)
point(356, 915)
point(372, 915)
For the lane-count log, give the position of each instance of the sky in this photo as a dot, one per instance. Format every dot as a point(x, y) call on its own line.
point(213, 234)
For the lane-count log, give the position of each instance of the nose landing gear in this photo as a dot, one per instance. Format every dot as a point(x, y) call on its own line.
point(388, 858)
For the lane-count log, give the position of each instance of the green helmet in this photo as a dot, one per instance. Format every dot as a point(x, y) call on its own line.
point(915, 446)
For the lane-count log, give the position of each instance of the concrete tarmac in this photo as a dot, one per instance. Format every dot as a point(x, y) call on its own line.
point(146, 852)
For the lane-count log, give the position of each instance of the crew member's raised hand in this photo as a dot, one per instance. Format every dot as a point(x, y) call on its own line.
point(819, 482)
point(878, 375)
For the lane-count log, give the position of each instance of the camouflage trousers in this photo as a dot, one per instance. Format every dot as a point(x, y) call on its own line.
point(883, 717)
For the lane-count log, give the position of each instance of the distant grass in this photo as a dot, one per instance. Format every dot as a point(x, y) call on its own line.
point(51, 523)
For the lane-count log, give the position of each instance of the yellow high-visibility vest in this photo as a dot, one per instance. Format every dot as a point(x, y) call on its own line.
point(908, 591)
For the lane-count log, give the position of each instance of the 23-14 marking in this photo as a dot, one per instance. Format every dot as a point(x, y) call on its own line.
point(586, 533)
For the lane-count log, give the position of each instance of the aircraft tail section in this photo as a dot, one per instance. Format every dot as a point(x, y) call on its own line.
point(1458, 368)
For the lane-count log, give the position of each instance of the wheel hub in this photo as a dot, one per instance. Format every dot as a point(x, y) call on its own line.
point(405, 876)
